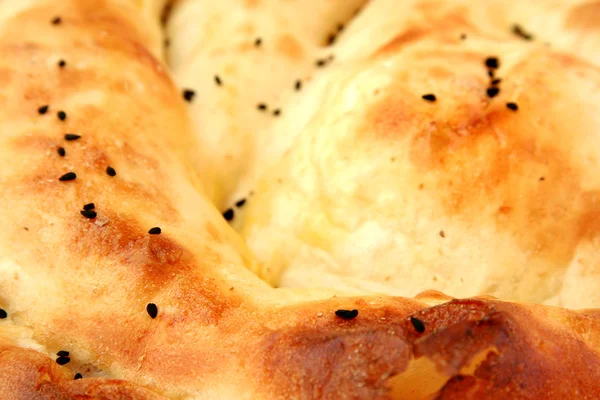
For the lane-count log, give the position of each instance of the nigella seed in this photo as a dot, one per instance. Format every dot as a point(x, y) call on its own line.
point(63, 360)
point(69, 176)
point(152, 310)
point(228, 214)
point(347, 314)
point(90, 214)
point(417, 324)
point(188, 95)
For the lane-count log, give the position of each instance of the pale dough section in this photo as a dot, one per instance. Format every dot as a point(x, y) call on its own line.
point(244, 60)
point(380, 190)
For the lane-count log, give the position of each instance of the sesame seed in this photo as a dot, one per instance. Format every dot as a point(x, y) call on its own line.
point(61, 115)
point(111, 171)
point(298, 85)
point(276, 112)
point(417, 324)
point(542, 179)
point(155, 231)
point(429, 97)
point(152, 310)
point(320, 62)
point(43, 109)
point(496, 81)
point(3, 314)
point(463, 36)
point(72, 136)
point(188, 95)
point(78, 376)
point(442, 234)
point(519, 31)
point(492, 92)
point(69, 176)
point(492, 62)
point(56, 21)
point(63, 353)
point(90, 214)
point(61, 151)
point(240, 203)
point(89, 206)
point(512, 106)
point(228, 214)
point(257, 42)
point(218, 80)
point(62, 63)
point(347, 314)
point(261, 106)
point(63, 360)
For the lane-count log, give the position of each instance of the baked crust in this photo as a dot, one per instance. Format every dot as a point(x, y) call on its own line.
point(83, 285)
point(462, 194)
point(474, 348)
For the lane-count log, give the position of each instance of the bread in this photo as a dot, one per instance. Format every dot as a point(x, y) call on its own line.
point(152, 293)
point(380, 190)
point(227, 51)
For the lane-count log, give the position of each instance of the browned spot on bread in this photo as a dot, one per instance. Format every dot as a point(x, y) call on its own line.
point(125, 39)
point(504, 209)
point(155, 260)
point(451, 313)
point(433, 295)
point(289, 47)
point(330, 358)
point(477, 167)
point(480, 160)
point(27, 374)
point(441, 25)
point(393, 117)
point(37, 141)
point(589, 222)
point(133, 49)
point(108, 389)
point(410, 35)
point(584, 17)
point(252, 3)
point(522, 357)
point(247, 28)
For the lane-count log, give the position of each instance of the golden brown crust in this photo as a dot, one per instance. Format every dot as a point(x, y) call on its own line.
point(525, 351)
point(83, 285)
point(482, 348)
point(27, 374)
